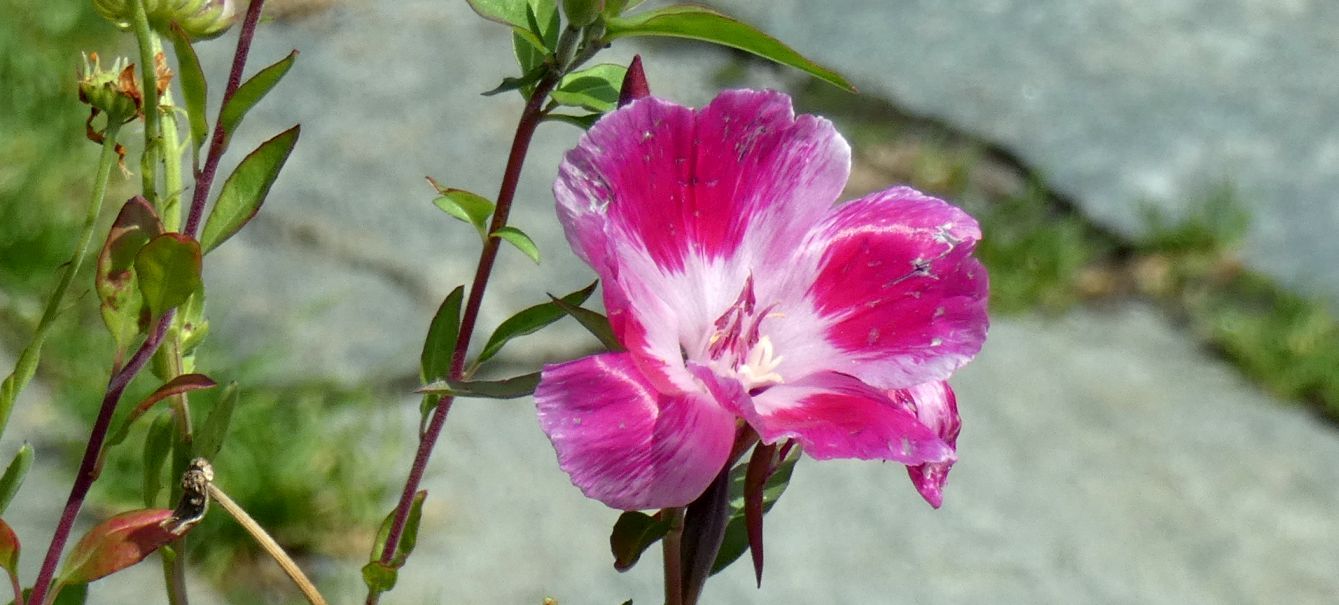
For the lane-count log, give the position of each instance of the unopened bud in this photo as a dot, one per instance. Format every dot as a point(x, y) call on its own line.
point(114, 91)
point(634, 83)
point(200, 19)
point(581, 13)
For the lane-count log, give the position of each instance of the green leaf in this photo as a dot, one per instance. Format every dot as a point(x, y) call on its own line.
point(524, 82)
point(381, 577)
point(181, 384)
point(736, 540)
point(511, 388)
point(581, 13)
point(194, 89)
point(168, 268)
point(209, 438)
point(700, 23)
point(75, 594)
point(157, 445)
point(440, 344)
point(595, 88)
point(14, 474)
point(506, 12)
point(529, 321)
point(614, 8)
point(190, 324)
point(537, 40)
point(519, 239)
point(116, 544)
point(250, 93)
point(595, 323)
point(246, 188)
point(469, 207)
point(122, 305)
point(583, 122)
point(633, 533)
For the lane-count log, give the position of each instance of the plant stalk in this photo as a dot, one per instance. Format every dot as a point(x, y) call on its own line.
point(26, 366)
point(268, 544)
point(525, 130)
point(148, 90)
point(672, 552)
point(88, 471)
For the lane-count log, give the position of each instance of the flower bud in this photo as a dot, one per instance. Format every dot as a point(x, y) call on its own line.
point(200, 19)
point(114, 91)
point(634, 83)
point(581, 13)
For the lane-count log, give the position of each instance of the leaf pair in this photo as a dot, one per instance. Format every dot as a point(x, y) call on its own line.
point(380, 577)
point(142, 271)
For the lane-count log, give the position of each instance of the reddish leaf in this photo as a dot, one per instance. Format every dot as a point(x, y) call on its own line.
point(116, 544)
point(181, 384)
point(9, 549)
point(755, 479)
point(122, 305)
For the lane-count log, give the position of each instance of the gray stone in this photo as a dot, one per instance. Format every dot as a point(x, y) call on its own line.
point(1118, 103)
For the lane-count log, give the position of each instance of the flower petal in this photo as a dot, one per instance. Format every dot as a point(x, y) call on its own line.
point(896, 298)
point(625, 444)
point(675, 209)
point(658, 179)
point(936, 407)
point(837, 416)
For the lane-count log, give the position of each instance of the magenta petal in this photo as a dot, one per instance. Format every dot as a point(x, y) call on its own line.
point(837, 416)
point(936, 407)
point(657, 179)
point(901, 298)
point(625, 444)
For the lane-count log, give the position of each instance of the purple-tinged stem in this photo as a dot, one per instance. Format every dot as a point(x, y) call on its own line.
point(88, 471)
point(218, 141)
point(525, 130)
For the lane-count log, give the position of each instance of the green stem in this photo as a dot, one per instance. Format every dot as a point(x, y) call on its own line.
point(27, 363)
point(139, 22)
point(171, 152)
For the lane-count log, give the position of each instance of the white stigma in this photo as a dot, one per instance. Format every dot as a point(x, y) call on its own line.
point(759, 369)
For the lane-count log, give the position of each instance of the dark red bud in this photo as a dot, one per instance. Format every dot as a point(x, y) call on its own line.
point(634, 83)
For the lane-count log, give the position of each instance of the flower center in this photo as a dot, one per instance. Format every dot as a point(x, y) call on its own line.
point(737, 348)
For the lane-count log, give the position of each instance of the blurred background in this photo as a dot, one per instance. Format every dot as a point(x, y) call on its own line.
point(1153, 419)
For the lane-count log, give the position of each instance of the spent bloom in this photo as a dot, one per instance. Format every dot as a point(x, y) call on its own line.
point(746, 298)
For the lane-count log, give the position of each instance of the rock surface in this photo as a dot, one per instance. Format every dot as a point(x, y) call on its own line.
point(1119, 104)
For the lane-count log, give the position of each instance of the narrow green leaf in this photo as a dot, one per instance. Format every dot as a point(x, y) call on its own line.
point(614, 8)
point(209, 437)
point(529, 321)
point(511, 388)
point(381, 577)
point(157, 445)
point(633, 533)
point(736, 540)
point(524, 82)
point(250, 93)
point(168, 269)
point(471, 208)
point(194, 89)
point(506, 12)
point(14, 474)
point(122, 305)
point(700, 23)
point(518, 238)
point(595, 88)
point(595, 323)
point(246, 188)
point(440, 344)
point(116, 544)
point(190, 324)
point(583, 122)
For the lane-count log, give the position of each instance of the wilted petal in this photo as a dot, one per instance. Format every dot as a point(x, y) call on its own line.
point(897, 299)
point(625, 444)
point(936, 407)
point(837, 416)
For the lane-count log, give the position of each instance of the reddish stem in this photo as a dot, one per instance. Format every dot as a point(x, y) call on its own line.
point(525, 130)
point(218, 141)
point(88, 471)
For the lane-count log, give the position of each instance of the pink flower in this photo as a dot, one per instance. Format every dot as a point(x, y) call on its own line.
point(742, 293)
